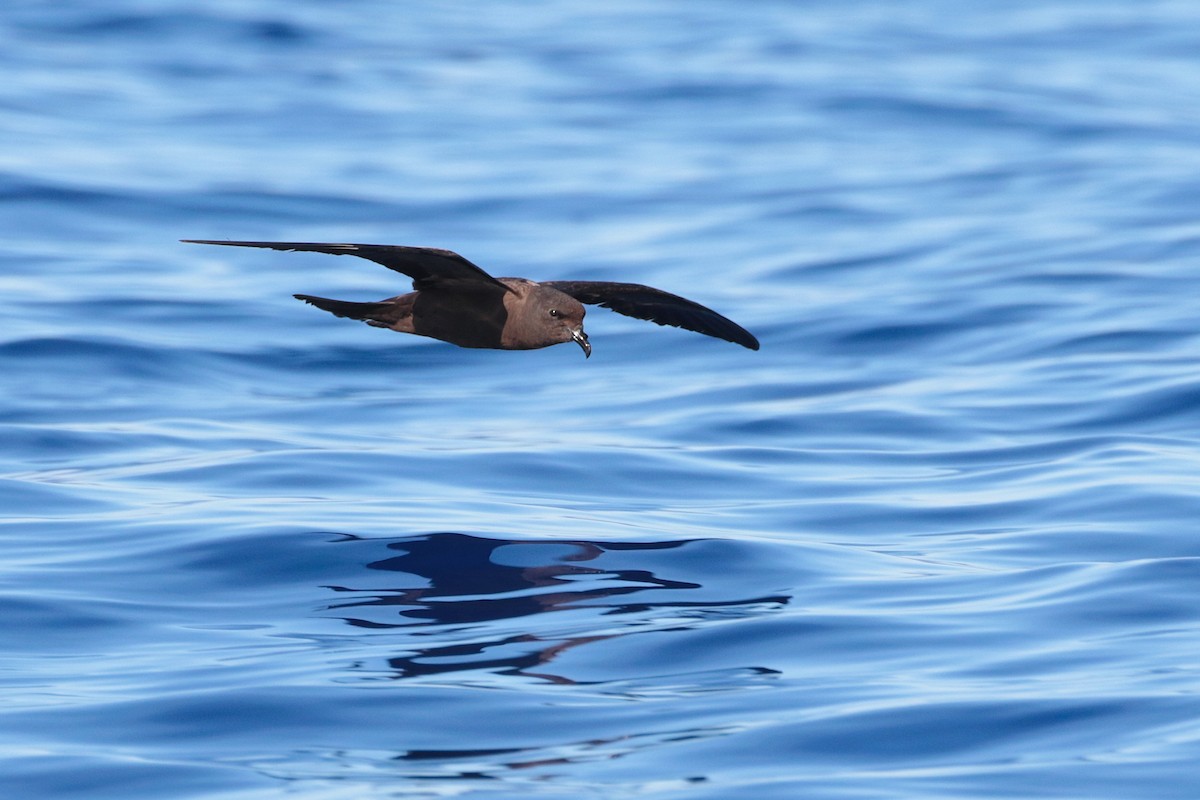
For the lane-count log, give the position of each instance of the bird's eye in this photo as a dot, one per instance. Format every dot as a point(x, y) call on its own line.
point(554, 313)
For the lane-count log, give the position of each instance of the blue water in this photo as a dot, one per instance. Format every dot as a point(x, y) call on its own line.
point(937, 539)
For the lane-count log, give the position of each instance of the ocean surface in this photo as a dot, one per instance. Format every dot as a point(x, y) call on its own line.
point(938, 539)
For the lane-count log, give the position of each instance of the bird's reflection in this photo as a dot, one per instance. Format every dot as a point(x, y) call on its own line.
point(459, 595)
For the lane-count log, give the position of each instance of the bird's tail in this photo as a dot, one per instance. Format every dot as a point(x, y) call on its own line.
point(371, 313)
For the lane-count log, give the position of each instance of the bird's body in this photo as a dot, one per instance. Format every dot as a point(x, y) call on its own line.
point(457, 302)
point(488, 317)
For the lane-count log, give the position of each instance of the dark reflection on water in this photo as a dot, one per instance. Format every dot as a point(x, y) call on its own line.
point(459, 583)
point(492, 764)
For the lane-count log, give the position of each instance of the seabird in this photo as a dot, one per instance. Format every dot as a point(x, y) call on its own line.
point(457, 302)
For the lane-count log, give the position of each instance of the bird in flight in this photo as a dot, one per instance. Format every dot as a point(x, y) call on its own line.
point(457, 302)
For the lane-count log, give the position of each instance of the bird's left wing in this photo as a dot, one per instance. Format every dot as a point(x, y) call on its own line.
point(655, 305)
point(429, 267)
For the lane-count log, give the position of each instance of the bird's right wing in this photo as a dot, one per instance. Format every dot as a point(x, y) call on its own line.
point(655, 305)
point(429, 267)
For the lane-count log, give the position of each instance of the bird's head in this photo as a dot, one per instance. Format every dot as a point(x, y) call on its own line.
point(558, 316)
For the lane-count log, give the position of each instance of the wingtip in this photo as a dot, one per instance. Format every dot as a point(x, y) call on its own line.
point(737, 334)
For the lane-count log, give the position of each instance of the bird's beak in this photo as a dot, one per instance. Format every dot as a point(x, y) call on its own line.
point(581, 339)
